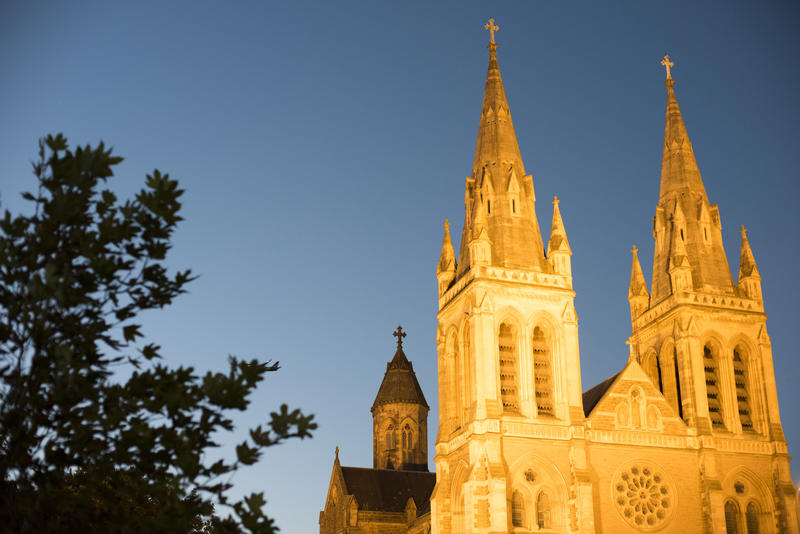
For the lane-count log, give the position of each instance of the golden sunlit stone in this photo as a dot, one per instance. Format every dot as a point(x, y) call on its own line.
point(686, 438)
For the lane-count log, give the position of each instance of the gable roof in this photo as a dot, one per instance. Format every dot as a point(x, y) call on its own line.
point(399, 383)
point(387, 490)
point(593, 395)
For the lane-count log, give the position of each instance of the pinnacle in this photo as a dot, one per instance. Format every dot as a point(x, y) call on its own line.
point(447, 259)
point(638, 285)
point(558, 235)
point(747, 262)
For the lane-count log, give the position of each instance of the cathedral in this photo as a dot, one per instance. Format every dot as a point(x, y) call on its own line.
point(685, 438)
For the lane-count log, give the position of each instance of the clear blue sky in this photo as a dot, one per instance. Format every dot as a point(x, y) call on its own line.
point(322, 145)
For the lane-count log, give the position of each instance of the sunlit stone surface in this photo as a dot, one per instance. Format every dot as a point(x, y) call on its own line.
point(686, 438)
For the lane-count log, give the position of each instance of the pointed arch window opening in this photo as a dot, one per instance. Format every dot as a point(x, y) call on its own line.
point(751, 518)
point(507, 349)
point(678, 385)
point(732, 518)
point(518, 510)
point(742, 393)
point(408, 438)
point(391, 438)
point(713, 393)
point(543, 373)
point(660, 377)
point(543, 514)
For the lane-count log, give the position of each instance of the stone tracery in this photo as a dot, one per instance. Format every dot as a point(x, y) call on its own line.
point(643, 496)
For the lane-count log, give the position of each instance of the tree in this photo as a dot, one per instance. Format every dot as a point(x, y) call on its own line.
point(81, 448)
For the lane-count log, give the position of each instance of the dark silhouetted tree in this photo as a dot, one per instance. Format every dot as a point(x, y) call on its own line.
point(83, 446)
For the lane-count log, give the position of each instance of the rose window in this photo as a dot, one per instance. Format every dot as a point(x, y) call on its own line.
point(642, 496)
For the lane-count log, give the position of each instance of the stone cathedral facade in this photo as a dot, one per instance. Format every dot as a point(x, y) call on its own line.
point(686, 438)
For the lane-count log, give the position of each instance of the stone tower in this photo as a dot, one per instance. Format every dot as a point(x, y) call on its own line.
point(507, 343)
point(400, 417)
point(702, 338)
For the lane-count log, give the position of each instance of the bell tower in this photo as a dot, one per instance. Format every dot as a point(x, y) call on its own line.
point(400, 417)
point(702, 337)
point(507, 342)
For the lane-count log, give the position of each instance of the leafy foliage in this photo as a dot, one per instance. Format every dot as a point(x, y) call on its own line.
point(80, 448)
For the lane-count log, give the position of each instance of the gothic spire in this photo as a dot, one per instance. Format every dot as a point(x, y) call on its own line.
point(498, 190)
point(687, 227)
point(679, 171)
point(497, 141)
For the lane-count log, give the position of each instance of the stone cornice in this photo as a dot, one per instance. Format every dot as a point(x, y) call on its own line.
point(502, 274)
point(698, 300)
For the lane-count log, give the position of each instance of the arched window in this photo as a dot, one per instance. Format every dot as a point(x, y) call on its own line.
point(543, 511)
point(650, 367)
point(751, 518)
point(731, 518)
point(742, 395)
point(407, 434)
point(542, 372)
point(508, 369)
point(712, 389)
point(517, 510)
point(390, 437)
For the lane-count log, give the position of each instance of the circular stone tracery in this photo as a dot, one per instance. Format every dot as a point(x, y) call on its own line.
point(642, 495)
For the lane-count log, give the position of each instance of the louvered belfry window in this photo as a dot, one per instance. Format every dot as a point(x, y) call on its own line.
point(542, 372)
point(712, 389)
point(508, 369)
point(742, 395)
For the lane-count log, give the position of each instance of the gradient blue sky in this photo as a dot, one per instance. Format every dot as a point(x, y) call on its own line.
point(323, 144)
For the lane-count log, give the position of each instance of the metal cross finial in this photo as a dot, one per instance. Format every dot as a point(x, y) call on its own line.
point(743, 231)
point(492, 28)
point(667, 63)
point(399, 334)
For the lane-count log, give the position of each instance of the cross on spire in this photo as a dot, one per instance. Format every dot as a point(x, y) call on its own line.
point(667, 63)
point(399, 334)
point(492, 27)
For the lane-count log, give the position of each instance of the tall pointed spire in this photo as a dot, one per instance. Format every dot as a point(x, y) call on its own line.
point(679, 171)
point(684, 209)
point(497, 141)
point(499, 185)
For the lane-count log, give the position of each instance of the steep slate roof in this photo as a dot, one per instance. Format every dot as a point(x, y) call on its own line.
point(593, 395)
point(387, 490)
point(399, 383)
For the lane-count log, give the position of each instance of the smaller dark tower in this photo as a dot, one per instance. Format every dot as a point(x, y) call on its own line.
point(400, 417)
